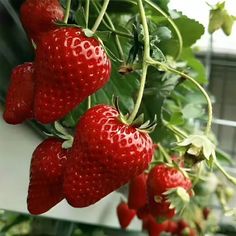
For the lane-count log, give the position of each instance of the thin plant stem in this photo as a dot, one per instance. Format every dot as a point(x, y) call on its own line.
point(229, 177)
point(87, 5)
point(145, 65)
point(180, 39)
point(100, 16)
point(111, 25)
point(167, 68)
point(165, 154)
point(209, 122)
point(89, 102)
point(67, 12)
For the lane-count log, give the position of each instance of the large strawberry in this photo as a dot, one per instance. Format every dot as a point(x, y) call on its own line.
point(106, 154)
point(161, 179)
point(137, 197)
point(19, 100)
point(40, 16)
point(69, 68)
point(46, 176)
point(125, 214)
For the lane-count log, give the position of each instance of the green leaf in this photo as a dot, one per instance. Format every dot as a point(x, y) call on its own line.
point(79, 17)
point(195, 64)
point(186, 26)
point(193, 111)
point(176, 118)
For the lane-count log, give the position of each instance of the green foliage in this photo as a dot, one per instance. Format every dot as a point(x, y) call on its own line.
point(167, 96)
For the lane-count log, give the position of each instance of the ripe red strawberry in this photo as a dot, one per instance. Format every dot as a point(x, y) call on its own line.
point(105, 155)
point(160, 179)
point(153, 227)
point(137, 197)
point(125, 214)
point(19, 100)
point(68, 68)
point(172, 227)
point(46, 176)
point(39, 16)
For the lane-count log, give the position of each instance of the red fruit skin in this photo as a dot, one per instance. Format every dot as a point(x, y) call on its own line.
point(68, 68)
point(172, 227)
point(143, 213)
point(46, 176)
point(137, 197)
point(19, 100)
point(154, 228)
point(45, 14)
point(160, 179)
point(105, 155)
point(125, 215)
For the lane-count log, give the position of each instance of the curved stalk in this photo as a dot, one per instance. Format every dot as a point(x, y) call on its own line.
point(229, 177)
point(87, 4)
point(101, 15)
point(209, 122)
point(67, 13)
point(167, 68)
point(180, 39)
point(164, 153)
point(145, 65)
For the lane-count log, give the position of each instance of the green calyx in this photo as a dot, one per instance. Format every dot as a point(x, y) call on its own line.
point(139, 123)
point(62, 133)
point(178, 198)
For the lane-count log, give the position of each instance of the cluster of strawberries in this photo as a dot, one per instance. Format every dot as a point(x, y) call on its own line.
point(68, 67)
point(148, 201)
point(106, 152)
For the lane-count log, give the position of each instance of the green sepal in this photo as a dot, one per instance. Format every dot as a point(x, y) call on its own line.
point(139, 121)
point(178, 199)
point(62, 133)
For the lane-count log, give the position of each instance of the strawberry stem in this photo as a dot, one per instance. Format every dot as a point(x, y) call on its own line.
point(167, 68)
point(165, 154)
point(180, 39)
point(229, 177)
point(145, 65)
point(209, 122)
point(100, 16)
point(67, 13)
point(113, 29)
point(87, 5)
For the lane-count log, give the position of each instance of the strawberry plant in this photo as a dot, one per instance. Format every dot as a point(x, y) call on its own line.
point(118, 86)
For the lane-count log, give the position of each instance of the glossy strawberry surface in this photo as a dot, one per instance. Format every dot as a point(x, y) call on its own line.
point(160, 179)
point(105, 155)
point(46, 176)
point(19, 100)
point(125, 214)
point(69, 68)
point(40, 16)
point(137, 197)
